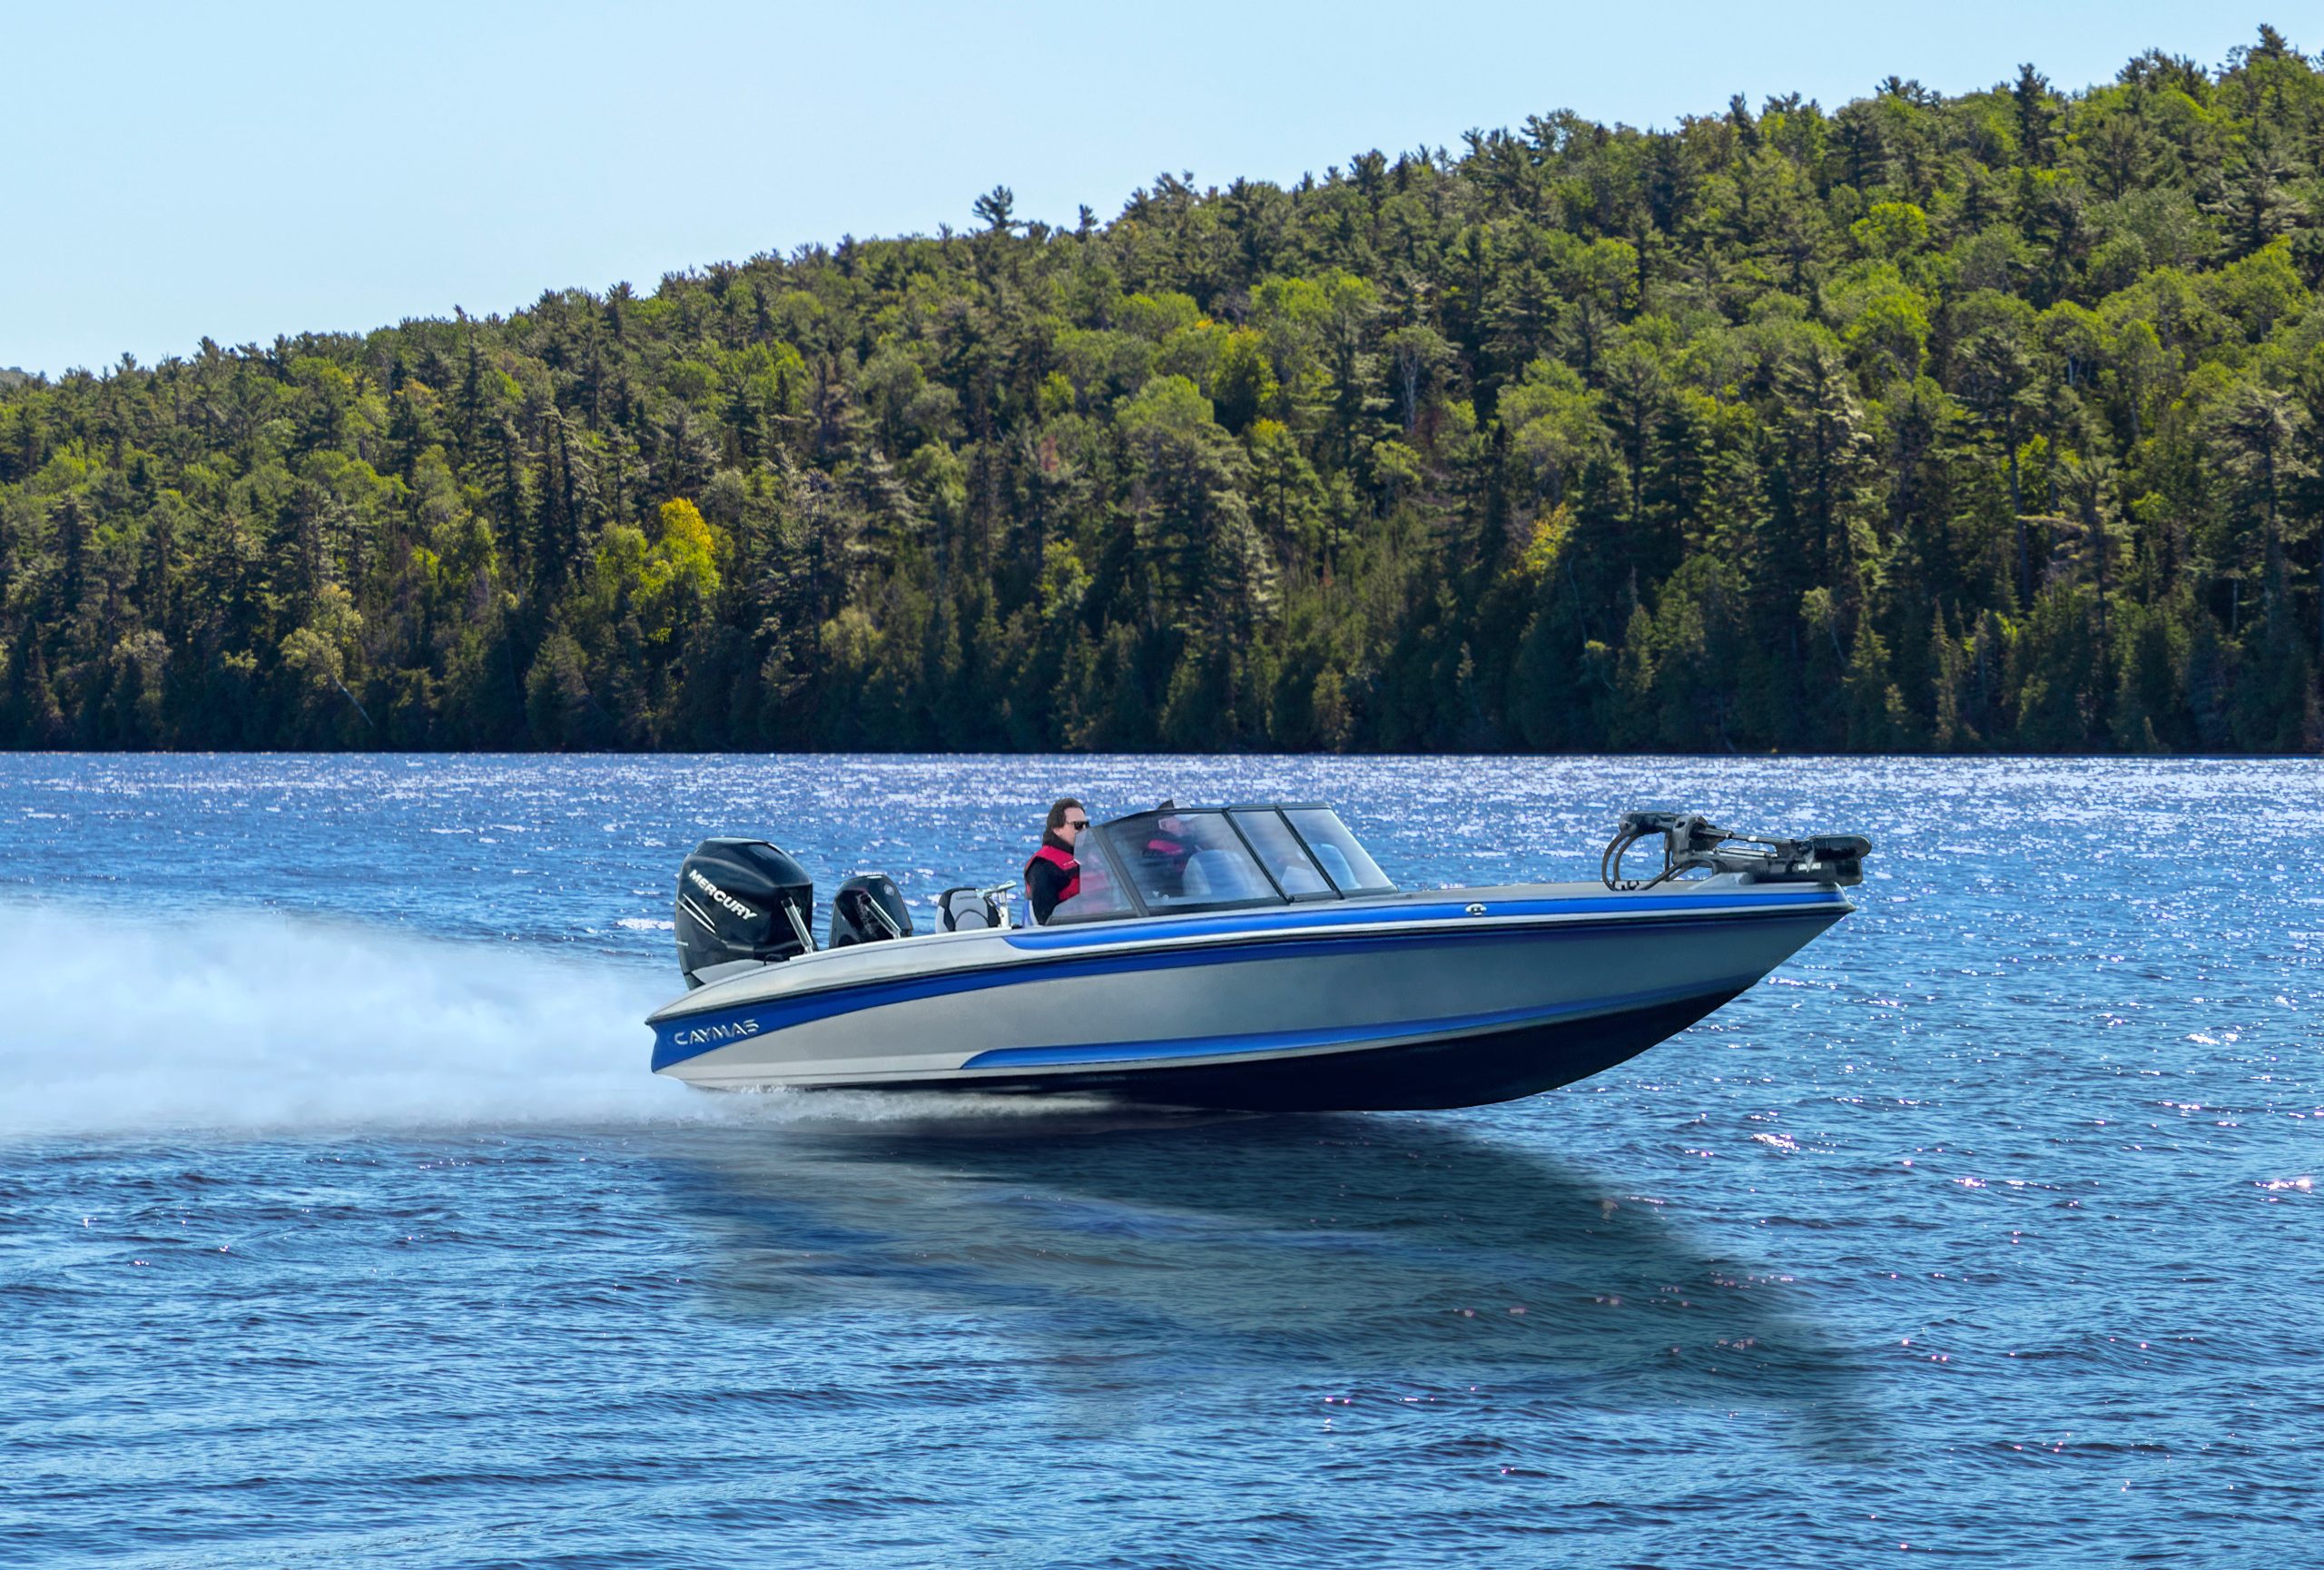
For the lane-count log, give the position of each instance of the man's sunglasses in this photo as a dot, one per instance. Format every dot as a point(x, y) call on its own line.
point(1082, 824)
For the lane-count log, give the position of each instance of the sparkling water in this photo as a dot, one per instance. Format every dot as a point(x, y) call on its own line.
point(341, 1223)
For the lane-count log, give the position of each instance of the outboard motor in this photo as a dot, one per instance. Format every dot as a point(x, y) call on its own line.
point(869, 909)
point(741, 902)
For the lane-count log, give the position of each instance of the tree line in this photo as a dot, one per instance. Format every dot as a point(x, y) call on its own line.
point(1983, 422)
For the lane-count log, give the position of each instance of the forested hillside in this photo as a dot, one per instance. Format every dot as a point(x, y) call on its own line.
point(1985, 422)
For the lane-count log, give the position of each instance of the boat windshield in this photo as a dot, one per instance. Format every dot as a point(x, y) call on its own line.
point(1180, 861)
point(1218, 858)
point(1101, 898)
point(1351, 869)
point(1294, 872)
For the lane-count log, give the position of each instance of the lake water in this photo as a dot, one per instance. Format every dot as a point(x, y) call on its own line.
point(341, 1224)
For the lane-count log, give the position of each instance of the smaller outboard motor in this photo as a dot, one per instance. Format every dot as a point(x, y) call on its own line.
point(869, 909)
point(741, 902)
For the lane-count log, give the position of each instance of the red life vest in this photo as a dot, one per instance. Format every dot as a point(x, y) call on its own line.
point(1062, 863)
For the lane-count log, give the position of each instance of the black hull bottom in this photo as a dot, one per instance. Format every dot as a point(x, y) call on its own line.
point(1471, 1071)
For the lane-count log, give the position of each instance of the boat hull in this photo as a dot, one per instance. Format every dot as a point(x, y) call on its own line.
point(1405, 1004)
point(1467, 1071)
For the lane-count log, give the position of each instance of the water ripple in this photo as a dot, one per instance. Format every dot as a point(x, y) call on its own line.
point(341, 1225)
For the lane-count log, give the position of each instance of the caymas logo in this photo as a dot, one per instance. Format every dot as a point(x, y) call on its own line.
point(710, 1035)
point(719, 896)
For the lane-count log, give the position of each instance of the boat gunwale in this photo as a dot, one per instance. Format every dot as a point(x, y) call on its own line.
point(1448, 909)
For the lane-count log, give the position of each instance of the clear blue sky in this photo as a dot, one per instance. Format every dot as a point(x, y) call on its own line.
point(240, 171)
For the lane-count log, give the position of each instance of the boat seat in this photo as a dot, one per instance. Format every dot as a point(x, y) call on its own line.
point(1218, 875)
point(965, 910)
point(1333, 862)
point(1298, 880)
point(1194, 884)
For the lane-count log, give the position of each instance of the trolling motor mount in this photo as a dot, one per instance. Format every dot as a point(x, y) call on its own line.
point(1691, 842)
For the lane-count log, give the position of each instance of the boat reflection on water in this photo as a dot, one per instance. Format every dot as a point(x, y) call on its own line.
point(1121, 1252)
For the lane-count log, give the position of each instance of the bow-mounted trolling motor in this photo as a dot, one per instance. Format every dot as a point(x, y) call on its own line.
point(1692, 842)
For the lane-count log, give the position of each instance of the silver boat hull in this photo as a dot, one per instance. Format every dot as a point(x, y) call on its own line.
point(1445, 999)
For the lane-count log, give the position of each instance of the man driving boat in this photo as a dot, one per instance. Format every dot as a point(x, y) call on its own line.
point(1054, 874)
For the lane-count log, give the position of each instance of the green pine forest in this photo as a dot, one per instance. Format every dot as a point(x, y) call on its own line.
point(1948, 424)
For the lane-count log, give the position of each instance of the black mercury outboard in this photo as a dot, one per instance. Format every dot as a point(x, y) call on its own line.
point(740, 900)
point(869, 909)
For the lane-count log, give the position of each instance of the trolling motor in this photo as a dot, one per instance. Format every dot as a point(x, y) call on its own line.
point(1691, 842)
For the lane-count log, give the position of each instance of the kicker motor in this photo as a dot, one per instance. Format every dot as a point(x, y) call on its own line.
point(1691, 842)
point(869, 909)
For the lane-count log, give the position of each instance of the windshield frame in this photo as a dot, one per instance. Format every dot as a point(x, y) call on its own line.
point(1130, 908)
point(1388, 886)
point(1117, 860)
point(1236, 815)
point(1117, 857)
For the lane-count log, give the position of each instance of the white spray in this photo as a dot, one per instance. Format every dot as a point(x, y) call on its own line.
point(112, 1022)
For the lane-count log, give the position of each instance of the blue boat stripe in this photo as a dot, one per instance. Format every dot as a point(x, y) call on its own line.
point(691, 1035)
point(1347, 1035)
point(1282, 918)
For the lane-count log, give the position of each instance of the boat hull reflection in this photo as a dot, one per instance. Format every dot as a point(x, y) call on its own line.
point(1097, 1252)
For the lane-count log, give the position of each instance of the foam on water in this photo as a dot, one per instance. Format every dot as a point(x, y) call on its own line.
point(261, 1022)
point(247, 1022)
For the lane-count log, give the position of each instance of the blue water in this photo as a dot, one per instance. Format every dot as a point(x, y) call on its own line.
point(340, 1223)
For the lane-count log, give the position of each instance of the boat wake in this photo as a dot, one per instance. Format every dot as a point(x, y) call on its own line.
point(252, 1021)
point(257, 1023)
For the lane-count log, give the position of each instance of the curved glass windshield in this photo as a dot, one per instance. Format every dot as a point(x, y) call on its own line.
point(1184, 860)
point(1280, 852)
point(1352, 870)
point(1099, 899)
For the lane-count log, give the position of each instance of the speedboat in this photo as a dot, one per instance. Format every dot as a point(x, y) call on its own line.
point(1251, 957)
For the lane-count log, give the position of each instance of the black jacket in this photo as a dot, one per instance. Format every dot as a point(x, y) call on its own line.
point(1046, 883)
